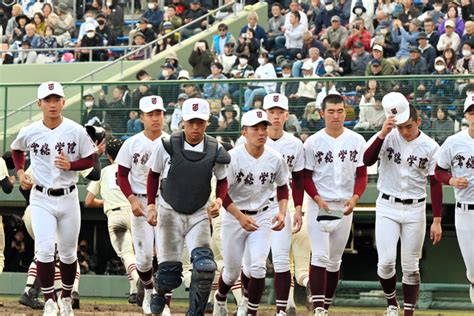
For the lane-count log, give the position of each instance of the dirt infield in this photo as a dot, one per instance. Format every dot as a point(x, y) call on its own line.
point(107, 307)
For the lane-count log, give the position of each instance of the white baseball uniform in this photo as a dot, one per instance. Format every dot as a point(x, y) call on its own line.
point(176, 228)
point(134, 155)
point(334, 162)
point(457, 155)
point(118, 212)
point(251, 184)
point(403, 172)
point(3, 174)
point(54, 214)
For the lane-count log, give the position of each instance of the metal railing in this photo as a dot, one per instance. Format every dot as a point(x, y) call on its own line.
point(125, 57)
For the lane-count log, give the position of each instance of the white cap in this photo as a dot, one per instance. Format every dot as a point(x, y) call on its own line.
point(254, 117)
point(307, 65)
point(395, 103)
point(151, 103)
point(449, 23)
point(183, 74)
point(48, 88)
point(196, 108)
point(89, 27)
point(377, 47)
point(468, 102)
point(275, 100)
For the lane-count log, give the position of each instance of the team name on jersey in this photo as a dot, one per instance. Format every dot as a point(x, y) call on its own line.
point(249, 179)
point(459, 159)
point(419, 162)
point(343, 154)
point(44, 149)
point(140, 159)
point(290, 159)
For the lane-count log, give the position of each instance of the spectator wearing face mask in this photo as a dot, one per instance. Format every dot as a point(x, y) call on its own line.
point(104, 30)
point(241, 70)
point(306, 90)
point(439, 87)
point(89, 18)
point(154, 15)
point(465, 65)
point(114, 13)
point(91, 114)
point(92, 39)
point(360, 11)
point(287, 88)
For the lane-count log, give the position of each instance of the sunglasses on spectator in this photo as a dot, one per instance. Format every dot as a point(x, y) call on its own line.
point(221, 30)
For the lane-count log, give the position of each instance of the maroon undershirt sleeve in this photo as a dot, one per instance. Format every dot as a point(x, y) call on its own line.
point(227, 201)
point(442, 175)
point(297, 187)
point(122, 180)
point(436, 196)
point(361, 180)
point(282, 192)
point(19, 158)
point(83, 163)
point(152, 185)
point(371, 154)
point(221, 189)
point(309, 186)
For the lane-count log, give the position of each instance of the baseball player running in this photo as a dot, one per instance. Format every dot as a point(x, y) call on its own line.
point(186, 160)
point(58, 148)
point(455, 167)
point(291, 148)
point(117, 209)
point(132, 175)
point(254, 171)
point(407, 157)
point(335, 179)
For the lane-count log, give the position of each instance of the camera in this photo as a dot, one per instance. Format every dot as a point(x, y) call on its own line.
point(96, 133)
point(244, 35)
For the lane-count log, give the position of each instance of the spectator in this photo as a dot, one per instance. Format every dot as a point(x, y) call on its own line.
point(92, 39)
point(306, 90)
point(314, 58)
point(97, 6)
point(416, 65)
point(19, 31)
point(295, 6)
point(134, 124)
point(386, 6)
point(91, 115)
point(200, 59)
point(275, 26)
point(383, 37)
point(371, 113)
point(180, 7)
point(48, 41)
point(116, 112)
point(104, 30)
point(31, 36)
point(176, 118)
point(313, 10)
point(242, 70)
point(427, 51)
point(449, 39)
point(193, 13)
point(381, 21)
point(89, 18)
point(50, 18)
point(168, 91)
point(310, 41)
point(172, 58)
point(443, 126)
point(433, 12)
point(114, 13)
point(381, 65)
point(469, 34)
point(140, 53)
point(330, 67)
point(64, 25)
point(17, 262)
point(344, 6)
point(441, 88)
point(228, 59)
point(409, 12)
point(433, 37)
point(293, 37)
point(449, 56)
point(154, 15)
point(359, 11)
point(25, 56)
point(452, 15)
point(221, 39)
point(342, 60)
point(335, 33)
point(170, 40)
point(360, 59)
point(229, 125)
point(467, 10)
point(191, 90)
point(250, 46)
point(12, 23)
point(40, 25)
point(465, 65)
point(86, 260)
point(404, 39)
point(328, 87)
point(172, 17)
point(259, 32)
point(287, 88)
point(323, 20)
point(264, 71)
point(148, 32)
point(216, 90)
point(311, 120)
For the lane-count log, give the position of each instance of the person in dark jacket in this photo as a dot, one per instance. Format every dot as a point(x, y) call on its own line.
point(92, 114)
point(200, 59)
point(154, 15)
point(104, 30)
point(92, 39)
point(428, 52)
point(194, 12)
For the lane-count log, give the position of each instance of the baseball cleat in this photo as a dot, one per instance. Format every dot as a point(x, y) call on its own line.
point(76, 300)
point(291, 311)
point(319, 311)
point(30, 299)
point(209, 307)
point(157, 303)
point(65, 306)
point(220, 308)
point(392, 311)
point(50, 308)
point(132, 298)
point(280, 313)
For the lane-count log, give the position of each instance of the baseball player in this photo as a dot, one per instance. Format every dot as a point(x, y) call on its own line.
point(117, 209)
point(407, 158)
point(132, 175)
point(186, 159)
point(254, 171)
point(335, 179)
point(455, 167)
point(58, 148)
point(6, 183)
